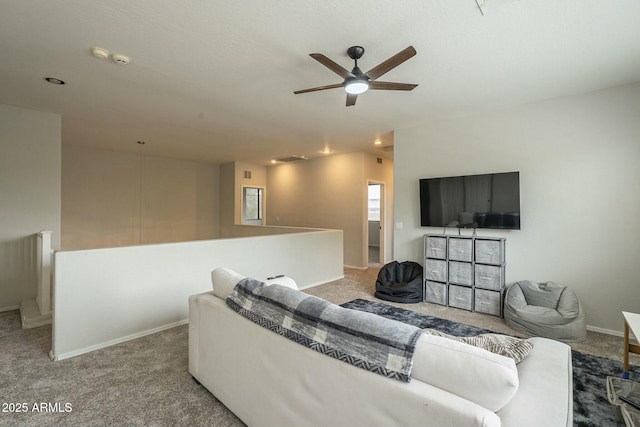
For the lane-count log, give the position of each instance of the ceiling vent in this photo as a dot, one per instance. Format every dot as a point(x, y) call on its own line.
point(387, 148)
point(288, 159)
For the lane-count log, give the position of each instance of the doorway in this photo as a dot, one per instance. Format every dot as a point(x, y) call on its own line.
point(253, 205)
point(375, 224)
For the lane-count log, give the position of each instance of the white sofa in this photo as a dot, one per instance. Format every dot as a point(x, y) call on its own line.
point(268, 380)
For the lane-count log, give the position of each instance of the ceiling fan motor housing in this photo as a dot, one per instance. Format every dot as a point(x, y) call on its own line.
point(358, 82)
point(355, 52)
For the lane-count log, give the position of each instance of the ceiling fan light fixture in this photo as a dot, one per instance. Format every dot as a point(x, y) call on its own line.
point(356, 86)
point(355, 82)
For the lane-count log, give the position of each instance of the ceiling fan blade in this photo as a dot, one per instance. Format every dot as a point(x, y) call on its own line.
point(336, 68)
point(391, 63)
point(315, 89)
point(351, 99)
point(391, 86)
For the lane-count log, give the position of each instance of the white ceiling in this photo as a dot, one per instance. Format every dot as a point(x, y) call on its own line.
point(213, 80)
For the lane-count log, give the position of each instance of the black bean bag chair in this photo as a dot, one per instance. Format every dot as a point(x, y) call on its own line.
point(400, 282)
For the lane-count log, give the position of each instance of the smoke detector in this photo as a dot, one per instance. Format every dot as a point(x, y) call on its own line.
point(119, 58)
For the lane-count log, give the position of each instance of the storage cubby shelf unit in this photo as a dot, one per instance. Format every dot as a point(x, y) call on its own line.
point(465, 272)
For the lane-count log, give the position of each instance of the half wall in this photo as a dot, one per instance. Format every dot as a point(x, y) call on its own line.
point(106, 296)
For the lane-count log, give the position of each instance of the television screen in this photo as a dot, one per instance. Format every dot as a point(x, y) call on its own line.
point(473, 201)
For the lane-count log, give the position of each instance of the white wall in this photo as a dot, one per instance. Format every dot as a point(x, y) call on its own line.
point(578, 159)
point(327, 192)
point(29, 196)
point(102, 190)
point(106, 296)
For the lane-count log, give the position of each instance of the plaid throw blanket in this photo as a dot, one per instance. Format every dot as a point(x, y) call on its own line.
point(365, 340)
point(504, 345)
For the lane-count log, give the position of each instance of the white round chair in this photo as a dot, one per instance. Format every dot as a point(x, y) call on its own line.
point(547, 309)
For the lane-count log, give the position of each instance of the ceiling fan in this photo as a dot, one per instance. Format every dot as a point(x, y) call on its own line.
point(355, 81)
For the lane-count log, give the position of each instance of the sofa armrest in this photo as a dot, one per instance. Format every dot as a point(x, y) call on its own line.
point(194, 327)
point(546, 388)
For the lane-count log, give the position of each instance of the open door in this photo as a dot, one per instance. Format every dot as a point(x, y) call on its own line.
point(375, 224)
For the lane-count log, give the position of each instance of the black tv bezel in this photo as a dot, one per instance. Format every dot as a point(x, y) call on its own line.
point(493, 227)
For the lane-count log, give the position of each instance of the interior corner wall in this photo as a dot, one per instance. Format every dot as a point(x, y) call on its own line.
point(227, 193)
point(114, 198)
point(327, 192)
point(29, 195)
point(579, 191)
point(231, 182)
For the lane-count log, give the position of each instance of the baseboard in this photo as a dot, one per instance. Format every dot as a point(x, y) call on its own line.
point(311, 285)
point(9, 308)
point(31, 317)
point(354, 267)
point(605, 331)
point(78, 352)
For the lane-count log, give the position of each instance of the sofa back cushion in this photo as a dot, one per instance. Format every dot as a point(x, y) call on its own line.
point(285, 281)
point(485, 378)
point(224, 280)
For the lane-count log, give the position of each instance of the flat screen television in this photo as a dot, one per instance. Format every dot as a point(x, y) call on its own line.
point(472, 201)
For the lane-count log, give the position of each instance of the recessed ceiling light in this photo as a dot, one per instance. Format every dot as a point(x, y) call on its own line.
point(290, 158)
point(54, 81)
point(377, 142)
point(100, 52)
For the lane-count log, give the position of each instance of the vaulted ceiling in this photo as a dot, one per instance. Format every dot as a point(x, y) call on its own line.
point(213, 80)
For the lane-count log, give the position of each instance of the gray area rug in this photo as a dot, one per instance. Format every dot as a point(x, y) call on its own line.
point(590, 404)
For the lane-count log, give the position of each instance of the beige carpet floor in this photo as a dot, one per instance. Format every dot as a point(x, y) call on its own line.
point(145, 382)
